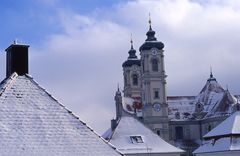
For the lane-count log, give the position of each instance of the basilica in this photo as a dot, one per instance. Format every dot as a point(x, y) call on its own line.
point(181, 121)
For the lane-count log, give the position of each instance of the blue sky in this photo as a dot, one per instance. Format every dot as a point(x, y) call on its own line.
point(77, 46)
point(31, 21)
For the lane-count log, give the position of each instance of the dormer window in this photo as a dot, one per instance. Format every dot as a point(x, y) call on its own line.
point(136, 139)
point(155, 65)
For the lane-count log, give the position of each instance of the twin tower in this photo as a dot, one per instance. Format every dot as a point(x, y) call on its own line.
point(145, 80)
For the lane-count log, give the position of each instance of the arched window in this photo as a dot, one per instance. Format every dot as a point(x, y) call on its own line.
point(135, 80)
point(154, 65)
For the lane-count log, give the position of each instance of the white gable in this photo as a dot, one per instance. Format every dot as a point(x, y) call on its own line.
point(132, 137)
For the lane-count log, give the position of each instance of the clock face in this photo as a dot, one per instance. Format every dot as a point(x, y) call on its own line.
point(157, 107)
point(154, 51)
point(135, 68)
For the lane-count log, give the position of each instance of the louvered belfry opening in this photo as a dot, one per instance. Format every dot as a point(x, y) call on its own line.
point(17, 59)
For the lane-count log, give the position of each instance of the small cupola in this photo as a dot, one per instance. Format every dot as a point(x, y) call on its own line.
point(132, 57)
point(150, 34)
point(132, 51)
point(151, 41)
point(17, 59)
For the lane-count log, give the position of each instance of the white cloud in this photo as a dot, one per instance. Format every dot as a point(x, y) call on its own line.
point(82, 65)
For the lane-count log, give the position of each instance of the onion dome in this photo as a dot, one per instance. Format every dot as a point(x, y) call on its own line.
point(132, 52)
point(132, 58)
point(151, 41)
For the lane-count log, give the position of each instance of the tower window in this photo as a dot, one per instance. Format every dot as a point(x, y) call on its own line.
point(156, 94)
point(179, 133)
point(135, 80)
point(154, 65)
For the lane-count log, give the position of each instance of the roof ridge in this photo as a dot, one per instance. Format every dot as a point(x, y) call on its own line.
point(6, 82)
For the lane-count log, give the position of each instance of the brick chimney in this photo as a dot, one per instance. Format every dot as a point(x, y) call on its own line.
point(17, 59)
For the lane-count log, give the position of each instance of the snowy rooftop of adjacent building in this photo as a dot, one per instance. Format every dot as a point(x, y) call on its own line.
point(220, 145)
point(225, 137)
point(180, 104)
point(215, 100)
point(230, 126)
point(131, 137)
point(32, 122)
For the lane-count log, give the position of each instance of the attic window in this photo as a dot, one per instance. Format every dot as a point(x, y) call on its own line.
point(136, 139)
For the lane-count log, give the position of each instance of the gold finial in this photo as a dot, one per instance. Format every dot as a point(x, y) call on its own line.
point(150, 22)
point(131, 41)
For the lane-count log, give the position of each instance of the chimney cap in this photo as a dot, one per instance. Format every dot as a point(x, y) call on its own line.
point(16, 45)
point(15, 41)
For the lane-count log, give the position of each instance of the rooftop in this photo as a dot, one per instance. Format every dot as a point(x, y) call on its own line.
point(32, 122)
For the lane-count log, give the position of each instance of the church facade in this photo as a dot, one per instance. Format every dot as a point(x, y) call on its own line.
point(179, 120)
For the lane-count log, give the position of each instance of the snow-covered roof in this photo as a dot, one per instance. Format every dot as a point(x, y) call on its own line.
point(230, 126)
point(225, 137)
point(181, 105)
point(216, 100)
point(131, 137)
point(32, 122)
point(213, 100)
point(223, 144)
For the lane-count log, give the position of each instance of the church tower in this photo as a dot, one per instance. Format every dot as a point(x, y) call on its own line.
point(132, 75)
point(155, 108)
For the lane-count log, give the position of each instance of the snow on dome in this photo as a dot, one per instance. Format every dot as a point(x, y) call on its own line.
point(32, 122)
point(216, 100)
point(210, 94)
